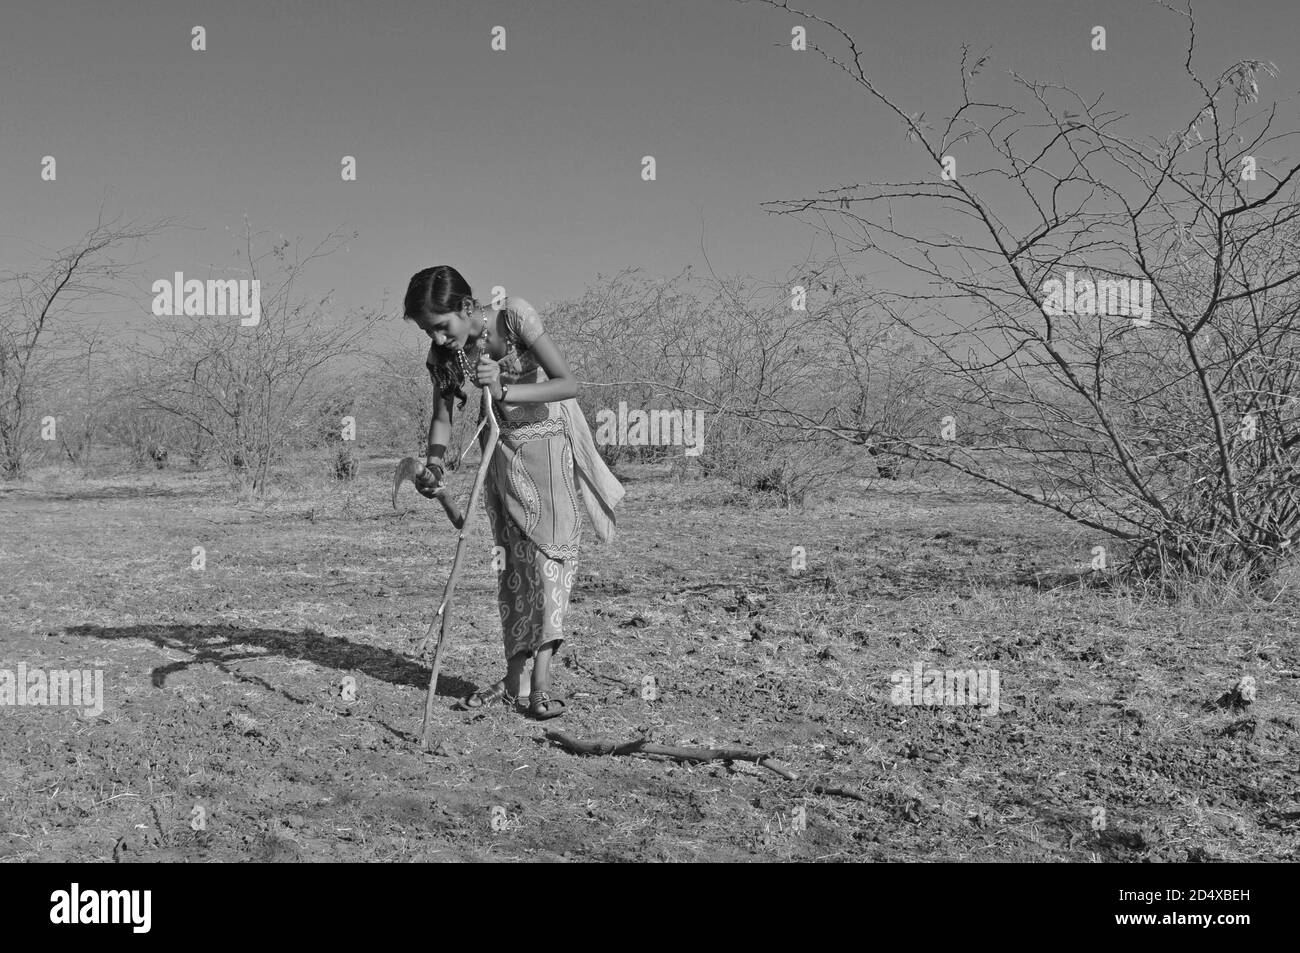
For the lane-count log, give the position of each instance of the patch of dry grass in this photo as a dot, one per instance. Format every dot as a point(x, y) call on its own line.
point(224, 684)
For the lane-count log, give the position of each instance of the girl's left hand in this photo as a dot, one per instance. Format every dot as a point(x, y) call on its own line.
point(488, 374)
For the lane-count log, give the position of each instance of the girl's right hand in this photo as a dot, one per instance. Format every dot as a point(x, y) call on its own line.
point(431, 479)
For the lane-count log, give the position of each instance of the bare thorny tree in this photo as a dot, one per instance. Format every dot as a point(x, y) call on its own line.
point(1176, 435)
point(37, 352)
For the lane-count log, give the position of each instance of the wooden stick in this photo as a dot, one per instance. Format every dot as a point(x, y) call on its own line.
point(838, 792)
point(599, 746)
point(641, 746)
point(444, 610)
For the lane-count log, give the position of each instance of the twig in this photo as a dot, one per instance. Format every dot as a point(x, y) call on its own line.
point(837, 792)
point(601, 746)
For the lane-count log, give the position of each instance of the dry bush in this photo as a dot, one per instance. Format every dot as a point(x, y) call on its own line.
point(1176, 430)
point(781, 386)
point(251, 389)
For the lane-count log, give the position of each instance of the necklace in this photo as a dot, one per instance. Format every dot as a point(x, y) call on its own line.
point(483, 342)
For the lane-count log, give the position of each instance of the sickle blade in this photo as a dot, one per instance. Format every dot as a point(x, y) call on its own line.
point(408, 469)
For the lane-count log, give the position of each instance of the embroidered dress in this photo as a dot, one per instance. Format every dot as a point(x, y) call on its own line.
point(544, 455)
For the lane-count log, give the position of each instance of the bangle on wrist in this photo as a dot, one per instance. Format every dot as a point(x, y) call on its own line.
point(505, 394)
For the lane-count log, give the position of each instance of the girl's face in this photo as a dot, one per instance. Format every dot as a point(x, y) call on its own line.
point(444, 329)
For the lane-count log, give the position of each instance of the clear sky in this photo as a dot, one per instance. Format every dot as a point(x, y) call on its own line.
point(522, 168)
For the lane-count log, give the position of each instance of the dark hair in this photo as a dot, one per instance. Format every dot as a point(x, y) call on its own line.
point(440, 290)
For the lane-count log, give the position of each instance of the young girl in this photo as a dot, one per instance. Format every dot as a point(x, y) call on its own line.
point(544, 455)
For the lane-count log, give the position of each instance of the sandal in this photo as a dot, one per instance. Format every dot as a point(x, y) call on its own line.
point(478, 700)
point(541, 706)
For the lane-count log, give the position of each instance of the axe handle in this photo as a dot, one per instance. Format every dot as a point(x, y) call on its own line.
point(442, 495)
point(453, 511)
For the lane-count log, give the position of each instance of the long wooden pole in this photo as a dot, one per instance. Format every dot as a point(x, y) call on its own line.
point(444, 610)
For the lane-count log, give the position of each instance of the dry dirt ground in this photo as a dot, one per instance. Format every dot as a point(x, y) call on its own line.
point(223, 698)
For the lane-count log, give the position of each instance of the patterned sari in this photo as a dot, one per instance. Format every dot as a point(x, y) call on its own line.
point(546, 452)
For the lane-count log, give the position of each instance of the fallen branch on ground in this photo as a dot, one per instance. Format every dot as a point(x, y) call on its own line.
point(600, 746)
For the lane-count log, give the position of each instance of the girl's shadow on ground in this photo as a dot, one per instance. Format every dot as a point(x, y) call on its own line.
point(222, 645)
